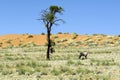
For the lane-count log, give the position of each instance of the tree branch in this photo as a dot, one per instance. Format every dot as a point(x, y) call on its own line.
point(58, 20)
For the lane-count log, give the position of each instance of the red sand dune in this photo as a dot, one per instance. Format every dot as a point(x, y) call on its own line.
point(17, 39)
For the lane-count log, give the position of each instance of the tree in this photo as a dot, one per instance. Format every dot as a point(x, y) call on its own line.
point(48, 17)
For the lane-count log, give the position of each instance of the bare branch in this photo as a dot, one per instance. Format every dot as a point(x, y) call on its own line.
point(58, 20)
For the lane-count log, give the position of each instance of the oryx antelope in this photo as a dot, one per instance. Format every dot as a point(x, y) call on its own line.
point(83, 55)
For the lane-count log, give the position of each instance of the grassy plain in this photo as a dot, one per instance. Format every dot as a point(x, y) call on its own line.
point(29, 63)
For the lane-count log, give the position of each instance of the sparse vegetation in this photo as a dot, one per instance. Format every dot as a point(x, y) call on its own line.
point(30, 63)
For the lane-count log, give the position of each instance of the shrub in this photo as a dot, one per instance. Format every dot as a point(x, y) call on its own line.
point(6, 71)
point(64, 40)
point(103, 62)
point(1, 44)
point(31, 44)
point(30, 36)
point(32, 64)
point(79, 42)
point(22, 45)
point(45, 65)
point(110, 36)
point(65, 69)
point(99, 39)
point(42, 33)
point(96, 34)
point(55, 71)
point(66, 33)
point(52, 43)
point(22, 70)
point(103, 35)
point(8, 41)
point(74, 35)
point(92, 44)
point(78, 63)
point(118, 35)
point(102, 77)
point(59, 33)
point(10, 46)
point(83, 70)
point(70, 62)
point(55, 36)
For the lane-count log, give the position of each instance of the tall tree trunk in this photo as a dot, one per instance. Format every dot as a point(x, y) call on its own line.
point(49, 45)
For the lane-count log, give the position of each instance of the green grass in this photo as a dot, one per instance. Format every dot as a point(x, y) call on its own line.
point(29, 63)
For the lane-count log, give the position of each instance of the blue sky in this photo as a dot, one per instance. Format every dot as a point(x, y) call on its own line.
point(81, 16)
